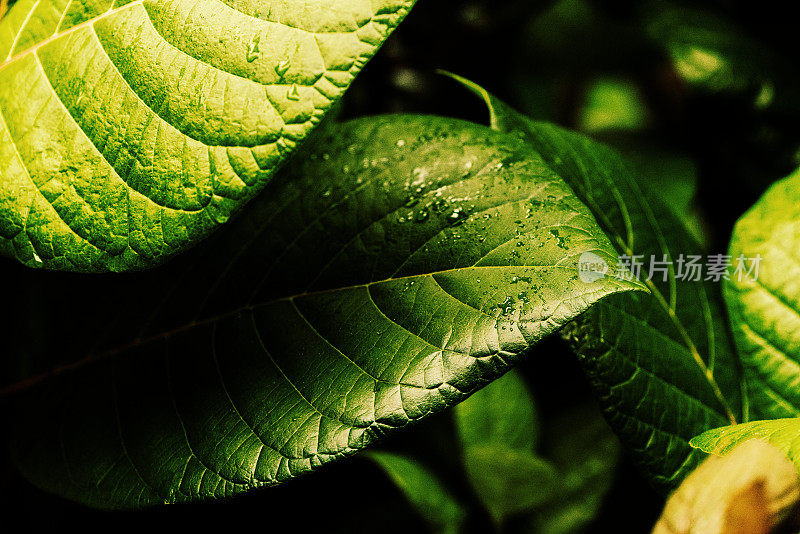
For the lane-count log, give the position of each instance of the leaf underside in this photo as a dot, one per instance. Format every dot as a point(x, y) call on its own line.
point(129, 130)
point(661, 364)
point(393, 269)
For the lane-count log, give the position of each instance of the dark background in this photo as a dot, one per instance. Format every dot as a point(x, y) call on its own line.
point(540, 59)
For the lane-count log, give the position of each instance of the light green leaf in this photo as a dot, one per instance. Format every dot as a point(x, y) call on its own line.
point(435, 504)
point(782, 433)
point(661, 364)
point(399, 265)
point(131, 129)
point(612, 104)
point(763, 297)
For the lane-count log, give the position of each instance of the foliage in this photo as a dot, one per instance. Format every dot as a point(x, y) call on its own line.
point(554, 491)
point(216, 290)
point(404, 263)
point(159, 119)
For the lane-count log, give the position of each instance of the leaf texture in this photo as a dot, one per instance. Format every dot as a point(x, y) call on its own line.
point(396, 267)
point(129, 130)
point(763, 298)
point(661, 364)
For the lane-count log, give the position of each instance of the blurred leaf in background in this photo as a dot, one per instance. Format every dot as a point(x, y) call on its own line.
point(586, 454)
point(615, 111)
point(612, 104)
point(711, 53)
point(498, 428)
point(556, 490)
point(431, 499)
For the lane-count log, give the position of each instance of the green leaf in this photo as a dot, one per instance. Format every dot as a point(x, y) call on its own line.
point(431, 499)
point(661, 363)
point(673, 178)
point(508, 481)
point(714, 55)
point(503, 414)
point(585, 453)
point(782, 433)
point(559, 490)
point(763, 297)
point(612, 104)
point(498, 428)
point(131, 129)
point(399, 265)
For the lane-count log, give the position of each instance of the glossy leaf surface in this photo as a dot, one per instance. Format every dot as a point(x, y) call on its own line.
point(400, 265)
point(130, 130)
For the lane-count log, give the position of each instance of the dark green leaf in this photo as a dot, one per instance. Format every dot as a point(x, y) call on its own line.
point(661, 363)
point(498, 428)
point(432, 500)
point(399, 265)
point(585, 453)
point(508, 481)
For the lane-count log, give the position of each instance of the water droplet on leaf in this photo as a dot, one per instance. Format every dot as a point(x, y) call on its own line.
point(282, 67)
point(293, 93)
point(253, 52)
point(456, 217)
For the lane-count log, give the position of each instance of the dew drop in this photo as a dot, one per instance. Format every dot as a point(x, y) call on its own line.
point(253, 52)
point(282, 67)
point(293, 93)
point(420, 174)
point(506, 306)
point(456, 217)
